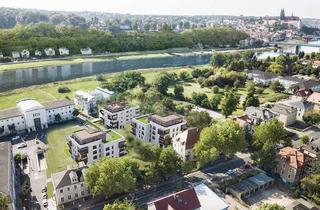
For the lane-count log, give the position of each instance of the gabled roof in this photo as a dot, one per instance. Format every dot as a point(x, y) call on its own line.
point(263, 75)
point(308, 84)
point(62, 179)
point(57, 104)
point(189, 137)
point(9, 113)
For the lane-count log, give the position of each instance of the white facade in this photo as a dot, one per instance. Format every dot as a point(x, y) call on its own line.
point(63, 51)
point(86, 51)
point(86, 102)
point(89, 145)
point(117, 115)
point(15, 55)
point(69, 185)
point(158, 130)
point(38, 53)
point(102, 94)
point(1, 55)
point(50, 52)
point(25, 53)
point(30, 116)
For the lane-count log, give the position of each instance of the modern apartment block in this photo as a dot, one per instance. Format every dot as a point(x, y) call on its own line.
point(30, 116)
point(90, 145)
point(86, 102)
point(117, 115)
point(69, 185)
point(158, 130)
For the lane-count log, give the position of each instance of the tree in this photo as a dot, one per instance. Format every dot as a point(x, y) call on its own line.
point(271, 207)
point(310, 185)
point(229, 103)
point(218, 59)
point(251, 100)
point(64, 90)
point(183, 75)
point(120, 205)
point(163, 81)
point(197, 98)
point(198, 119)
point(265, 138)
point(311, 117)
point(305, 139)
point(169, 162)
point(215, 101)
point(222, 137)
point(111, 176)
point(178, 92)
point(276, 68)
point(276, 86)
point(4, 202)
point(215, 89)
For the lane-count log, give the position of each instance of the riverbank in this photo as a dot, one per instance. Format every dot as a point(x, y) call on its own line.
point(78, 60)
point(49, 92)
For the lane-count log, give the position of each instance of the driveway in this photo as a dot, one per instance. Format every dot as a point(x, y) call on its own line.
point(213, 114)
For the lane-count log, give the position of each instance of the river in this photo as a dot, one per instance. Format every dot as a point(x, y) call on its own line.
point(19, 78)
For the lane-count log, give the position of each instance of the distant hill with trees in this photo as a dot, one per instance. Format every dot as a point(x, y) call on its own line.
point(43, 35)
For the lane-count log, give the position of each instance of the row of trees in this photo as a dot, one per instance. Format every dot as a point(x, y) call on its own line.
point(40, 36)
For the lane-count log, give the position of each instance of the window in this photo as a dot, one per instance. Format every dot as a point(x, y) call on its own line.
point(95, 152)
point(76, 195)
point(68, 189)
point(61, 191)
point(95, 157)
point(75, 187)
point(82, 192)
point(69, 197)
point(62, 199)
point(94, 147)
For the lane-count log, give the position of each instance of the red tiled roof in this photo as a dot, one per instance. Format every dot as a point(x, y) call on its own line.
point(294, 157)
point(184, 200)
point(243, 120)
point(192, 137)
point(314, 98)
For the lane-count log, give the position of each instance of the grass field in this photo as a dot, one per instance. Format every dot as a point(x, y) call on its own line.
point(50, 190)
point(49, 92)
point(57, 155)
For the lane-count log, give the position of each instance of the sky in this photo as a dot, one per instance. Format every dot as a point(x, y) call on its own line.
point(302, 8)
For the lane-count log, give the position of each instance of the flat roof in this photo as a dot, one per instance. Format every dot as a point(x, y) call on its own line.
point(167, 120)
point(57, 104)
point(87, 135)
point(252, 183)
point(29, 105)
point(9, 113)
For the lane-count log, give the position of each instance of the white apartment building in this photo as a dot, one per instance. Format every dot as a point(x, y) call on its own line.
point(50, 52)
point(90, 145)
point(30, 116)
point(158, 130)
point(86, 102)
point(184, 143)
point(63, 51)
point(86, 51)
point(25, 53)
point(69, 185)
point(38, 53)
point(102, 94)
point(117, 115)
point(15, 55)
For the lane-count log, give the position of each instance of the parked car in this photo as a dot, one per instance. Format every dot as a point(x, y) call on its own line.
point(45, 203)
point(22, 145)
point(44, 195)
point(15, 138)
point(44, 189)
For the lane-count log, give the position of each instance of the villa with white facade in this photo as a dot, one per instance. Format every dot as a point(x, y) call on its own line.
point(89, 145)
point(86, 51)
point(63, 51)
point(25, 53)
point(117, 115)
point(30, 115)
point(50, 52)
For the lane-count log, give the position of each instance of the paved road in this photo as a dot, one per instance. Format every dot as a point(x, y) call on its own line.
point(179, 183)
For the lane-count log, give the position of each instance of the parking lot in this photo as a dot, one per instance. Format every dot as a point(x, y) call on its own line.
point(32, 147)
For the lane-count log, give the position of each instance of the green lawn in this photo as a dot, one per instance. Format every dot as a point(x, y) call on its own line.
point(144, 119)
point(50, 190)
point(113, 135)
point(57, 155)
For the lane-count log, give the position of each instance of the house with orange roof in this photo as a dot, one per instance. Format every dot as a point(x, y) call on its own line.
point(314, 98)
point(291, 164)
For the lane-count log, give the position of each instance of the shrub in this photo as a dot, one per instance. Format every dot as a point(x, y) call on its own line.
point(64, 90)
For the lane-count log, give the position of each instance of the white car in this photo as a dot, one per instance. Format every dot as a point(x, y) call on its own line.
point(15, 138)
point(45, 203)
point(22, 145)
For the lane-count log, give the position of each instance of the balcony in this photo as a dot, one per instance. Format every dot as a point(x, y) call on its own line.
point(165, 140)
point(163, 132)
point(83, 151)
point(114, 117)
point(184, 127)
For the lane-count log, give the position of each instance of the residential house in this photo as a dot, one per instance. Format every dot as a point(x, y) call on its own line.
point(117, 115)
point(291, 163)
point(50, 52)
point(261, 77)
point(69, 186)
point(102, 94)
point(314, 98)
point(259, 114)
point(301, 204)
point(289, 82)
point(38, 53)
point(316, 64)
point(30, 116)
point(63, 51)
point(1, 55)
point(184, 143)
point(196, 198)
point(25, 53)
point(86, 51)
point(300, 105)
point(286, 114)
point(141, 128)
point(304, 94)
point(90, 145)
point(15, 54)
point(86, 102)
point(309, 85)
point(7, 174)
